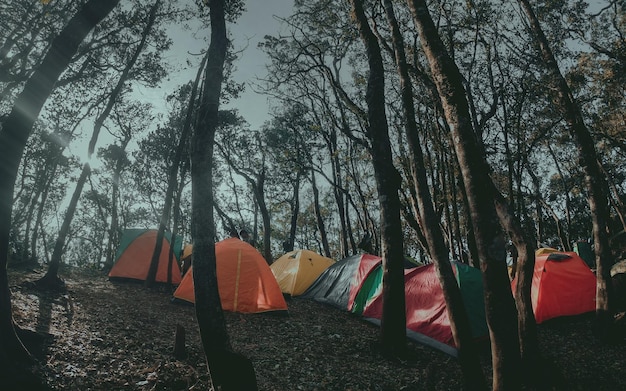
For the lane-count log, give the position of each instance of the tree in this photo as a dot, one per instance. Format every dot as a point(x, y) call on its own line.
point(246, 154)
point(173, 174)
point(459, 322)
point(500, 308)
point(595, 181)
point(393, 321)
point(230, 371)
point(51, 278)
point(16, 128)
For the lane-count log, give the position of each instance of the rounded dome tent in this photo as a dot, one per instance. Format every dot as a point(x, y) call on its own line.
point(343, 283)
point(244, 280)
point(134, 255)
point(296, 270)
point(562, 285)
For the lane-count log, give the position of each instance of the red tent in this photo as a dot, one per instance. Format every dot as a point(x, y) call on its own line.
point(427, 319)
point(562, 285)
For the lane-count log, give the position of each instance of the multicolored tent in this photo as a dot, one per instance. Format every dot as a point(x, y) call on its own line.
point(340, 284)
point(296, 270)
point(134, 255)
point(244, 280)
point(562, 285)
point(427, 319)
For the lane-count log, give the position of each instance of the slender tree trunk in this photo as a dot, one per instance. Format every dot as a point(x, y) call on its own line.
point(318, 216)
point(595, 181)
point(211, 321)
point(295, 211)
point(51, 278)
point(393, 322)
point(500, 307)
point(114, 228)
point(172, 184)
point(259, 191)
point(16, 128)
point(469, 359)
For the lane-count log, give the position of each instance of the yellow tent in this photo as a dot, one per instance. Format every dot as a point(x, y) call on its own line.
point(545, 250)
point(297, 270)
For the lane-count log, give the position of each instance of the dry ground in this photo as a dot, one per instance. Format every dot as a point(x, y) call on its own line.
point(120, 336)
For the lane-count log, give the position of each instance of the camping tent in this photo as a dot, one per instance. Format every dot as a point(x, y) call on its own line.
point(340, 284)
point(244, 280)
point(296, 270)
point(562, 285)
point(134, 255)
point(427, 319)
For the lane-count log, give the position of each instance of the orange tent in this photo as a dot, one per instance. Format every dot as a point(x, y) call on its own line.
point(562, 285)
point(135, 254)
point(244, 280)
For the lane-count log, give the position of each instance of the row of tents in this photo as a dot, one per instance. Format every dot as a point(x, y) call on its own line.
point(563, 284)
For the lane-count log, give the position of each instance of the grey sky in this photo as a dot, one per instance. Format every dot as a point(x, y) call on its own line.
point(249, 30)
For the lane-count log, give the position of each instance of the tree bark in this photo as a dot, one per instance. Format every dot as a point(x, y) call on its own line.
point(318, 216)
point(469, 359)
point(393, 322)
point(211, 321)
point(595, 180)
point(172, 183)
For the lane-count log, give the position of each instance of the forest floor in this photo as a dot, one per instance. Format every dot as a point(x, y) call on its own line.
point(120, 336)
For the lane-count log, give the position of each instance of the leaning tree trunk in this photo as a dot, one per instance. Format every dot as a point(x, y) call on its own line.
point(51, 278)
point(500, 307)
point(16, 129)
point(473, 376)
point(172, 184)
point(595, 181)
point(393, 321)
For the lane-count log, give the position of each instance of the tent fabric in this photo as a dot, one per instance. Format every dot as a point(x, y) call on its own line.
point(562, 285)
point(584, 250)
point(134, 255)
point(296, 270)
point(427, 319)
point(545, 250)
point(339, 284)
point(244, 280)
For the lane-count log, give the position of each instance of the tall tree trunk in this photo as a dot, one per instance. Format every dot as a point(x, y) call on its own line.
point(259, 192)
point(295, 211)
point(393, 322)
point(500, 307)
point(318, 216)
point(211, 321)
point(469, 359)
point(16, 129)
point(114, 228)
point(172, 184)
point(595, 181)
